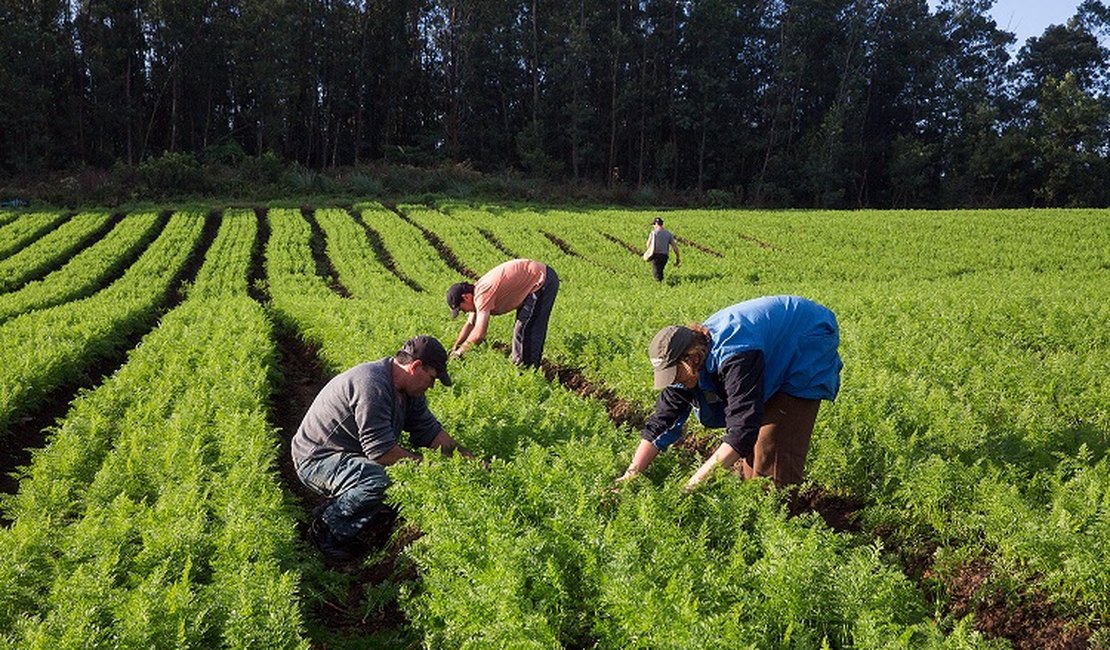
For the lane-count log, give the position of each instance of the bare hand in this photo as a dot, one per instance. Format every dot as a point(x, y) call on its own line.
point(626, 477)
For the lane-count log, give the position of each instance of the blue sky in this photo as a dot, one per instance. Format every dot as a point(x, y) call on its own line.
point(1027, 18)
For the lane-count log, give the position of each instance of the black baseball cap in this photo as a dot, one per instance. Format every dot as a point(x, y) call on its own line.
point(430, 352)
point(668, 346)
point(455, 295)
point(657, 220)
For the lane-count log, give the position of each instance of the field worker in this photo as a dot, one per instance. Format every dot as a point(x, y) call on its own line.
point(759, 369)
point(527, 286)
point(350, 435)
point(660, 242)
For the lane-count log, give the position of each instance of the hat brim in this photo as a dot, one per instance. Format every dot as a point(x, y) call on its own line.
point(443, 378)
point(665, 376)
point(454, 313)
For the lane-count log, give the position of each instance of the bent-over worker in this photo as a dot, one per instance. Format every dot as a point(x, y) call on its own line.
point(525, 286)
point(759, 369)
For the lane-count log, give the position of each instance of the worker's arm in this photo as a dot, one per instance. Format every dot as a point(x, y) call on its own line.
point(476, 333)
point(448, 445)
point(645, 453)
point(674, 247)
point(394, 454)
point(662, 429)
point(725, 456)
point(464, 332)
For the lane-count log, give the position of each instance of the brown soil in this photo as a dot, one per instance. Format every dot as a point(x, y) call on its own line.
point(623, 244)
point(445, 253)
point(1026, 619)
point(318, 244)
point(560, 244)
point(701, 247)
point(758, 242)
point(622, 412)
point(566, 248)
point(497, 243)
point(839, 512)
point(382, 253)
point(29, 432)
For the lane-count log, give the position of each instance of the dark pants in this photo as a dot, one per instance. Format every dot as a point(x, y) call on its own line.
point(530, 331)
point(658, 263)
point(780, 451)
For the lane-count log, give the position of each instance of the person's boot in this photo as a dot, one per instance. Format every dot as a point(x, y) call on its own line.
point(380, 527)
point(334, 550)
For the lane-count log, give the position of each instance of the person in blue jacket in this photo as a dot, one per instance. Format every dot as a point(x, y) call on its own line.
point(759, 369)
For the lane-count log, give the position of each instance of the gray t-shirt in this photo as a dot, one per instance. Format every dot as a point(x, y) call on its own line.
point(359, 411)
point(662, 243)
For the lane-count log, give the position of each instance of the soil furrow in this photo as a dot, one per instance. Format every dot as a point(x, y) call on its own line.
point(444, 251)
point(319, 246)
point(374, 238)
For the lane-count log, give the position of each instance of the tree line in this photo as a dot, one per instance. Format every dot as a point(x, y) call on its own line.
point(804, 103)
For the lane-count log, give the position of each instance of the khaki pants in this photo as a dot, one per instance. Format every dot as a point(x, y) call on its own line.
point(783, 442)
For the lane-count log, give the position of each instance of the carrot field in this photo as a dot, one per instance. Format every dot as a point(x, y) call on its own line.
point(155, 364)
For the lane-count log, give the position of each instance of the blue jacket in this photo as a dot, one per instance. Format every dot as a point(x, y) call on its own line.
point(758, 348)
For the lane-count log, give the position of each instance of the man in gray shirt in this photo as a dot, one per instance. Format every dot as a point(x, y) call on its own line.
point(351, 433)
point(659, 245)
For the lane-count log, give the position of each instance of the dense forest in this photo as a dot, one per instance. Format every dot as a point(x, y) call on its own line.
point(802, 103)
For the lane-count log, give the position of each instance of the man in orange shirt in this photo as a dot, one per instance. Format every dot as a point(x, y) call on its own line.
point(527, 286)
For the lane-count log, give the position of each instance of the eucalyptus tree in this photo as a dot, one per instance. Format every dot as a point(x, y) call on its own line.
point(1062, 82)
point(811, 101)
point(112, 47)
point(976, 154)
point(40, 77)
point(724, 68)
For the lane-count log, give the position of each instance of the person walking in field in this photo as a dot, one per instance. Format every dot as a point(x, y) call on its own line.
point(351, 434)
point(759, 369)
point(660, 242)
point(526, 286)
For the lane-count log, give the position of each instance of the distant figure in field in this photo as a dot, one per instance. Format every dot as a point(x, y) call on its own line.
point(759, 369)
point(350, 434)
point(526, 286)
point(660, 242)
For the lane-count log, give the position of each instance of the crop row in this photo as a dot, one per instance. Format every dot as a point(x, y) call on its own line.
point(26, 229)
point(905, 443)
point(51, 347)
point(973, 420)
point(153, 518)
point(85, 272)
point(974, 406)
point(47, 251)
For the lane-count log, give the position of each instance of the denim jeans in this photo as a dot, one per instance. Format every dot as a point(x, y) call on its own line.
point(354, 486)
point(710, 411)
